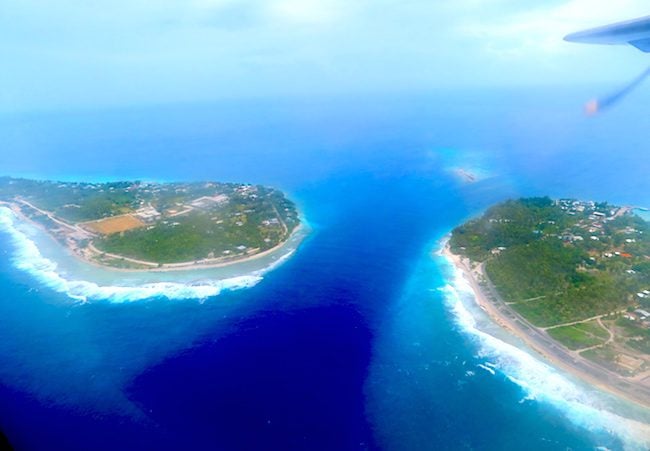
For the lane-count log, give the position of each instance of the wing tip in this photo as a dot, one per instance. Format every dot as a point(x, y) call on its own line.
point(635, 32)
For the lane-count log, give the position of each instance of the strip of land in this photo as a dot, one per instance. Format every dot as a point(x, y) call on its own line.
point(136, 226)
point(635, 389)
point(90, 254)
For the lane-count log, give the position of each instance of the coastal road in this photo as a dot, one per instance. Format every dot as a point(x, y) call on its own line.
point(71, 227)
point(542, 343)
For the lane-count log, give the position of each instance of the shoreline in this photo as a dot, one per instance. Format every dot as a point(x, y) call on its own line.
point(537, 339)
point(167, 267)
point(192, 265)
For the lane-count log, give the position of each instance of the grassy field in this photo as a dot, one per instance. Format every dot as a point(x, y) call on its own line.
point(605, 356)
point(636, 336)
point(579, 336)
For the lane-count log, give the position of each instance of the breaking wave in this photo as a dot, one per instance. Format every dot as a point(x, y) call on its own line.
point(583, 406)
point(27, 257)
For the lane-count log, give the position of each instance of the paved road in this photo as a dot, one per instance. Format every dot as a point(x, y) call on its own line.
point(629, 388)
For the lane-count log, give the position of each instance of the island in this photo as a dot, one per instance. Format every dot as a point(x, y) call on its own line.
point(465, 175)
point(571, 278)
point(135, 225)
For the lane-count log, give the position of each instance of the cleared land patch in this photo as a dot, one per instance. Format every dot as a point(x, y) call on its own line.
point(115, 224)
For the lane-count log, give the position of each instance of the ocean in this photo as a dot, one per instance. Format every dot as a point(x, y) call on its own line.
point(359, 336)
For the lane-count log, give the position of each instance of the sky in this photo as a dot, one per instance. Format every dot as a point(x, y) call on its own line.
point(95, 53)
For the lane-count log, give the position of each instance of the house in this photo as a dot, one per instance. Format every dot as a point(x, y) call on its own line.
point(209, 201)
point(645, 314)
point(147, 213)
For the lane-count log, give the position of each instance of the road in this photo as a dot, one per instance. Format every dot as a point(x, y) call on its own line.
point(631, 388)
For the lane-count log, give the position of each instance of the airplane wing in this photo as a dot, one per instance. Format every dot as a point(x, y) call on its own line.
point(634, 32)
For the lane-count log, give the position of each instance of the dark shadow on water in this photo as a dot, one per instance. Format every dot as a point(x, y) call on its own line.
point(282, 381)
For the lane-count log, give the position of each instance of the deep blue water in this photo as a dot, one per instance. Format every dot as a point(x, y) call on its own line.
point(348, 345)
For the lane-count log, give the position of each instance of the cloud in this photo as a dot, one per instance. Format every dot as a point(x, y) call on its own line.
point(307, 11)
point(133, 51)
point(225, 14)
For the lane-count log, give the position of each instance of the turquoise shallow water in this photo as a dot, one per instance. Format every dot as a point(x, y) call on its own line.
point(362, 338)
point(54, 266)
point(644, 213)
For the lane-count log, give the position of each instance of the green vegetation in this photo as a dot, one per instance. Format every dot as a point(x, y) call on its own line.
point(605, 356)
point(581, 335)
point(636, 335)
point(203, 234)
point(560, 261)
point(159, 223)
point(562, 264)
point(74, 202)
point(513, 222)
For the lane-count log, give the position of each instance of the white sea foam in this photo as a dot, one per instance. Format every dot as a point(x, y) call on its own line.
point(487, 368)
point(541, 382)
point(27, 257)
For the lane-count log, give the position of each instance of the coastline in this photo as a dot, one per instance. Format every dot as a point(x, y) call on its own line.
point(536, 339)
point(193, 265)
point(154, 267)
point(55, 267)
